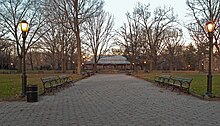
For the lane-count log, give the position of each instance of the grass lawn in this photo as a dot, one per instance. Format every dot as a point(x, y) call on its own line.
point(198, 84)
point(10, 84)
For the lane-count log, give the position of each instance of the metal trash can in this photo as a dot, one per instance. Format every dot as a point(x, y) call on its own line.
point(32, 93)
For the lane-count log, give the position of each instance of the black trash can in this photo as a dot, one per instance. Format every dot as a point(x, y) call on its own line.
point(32, 93)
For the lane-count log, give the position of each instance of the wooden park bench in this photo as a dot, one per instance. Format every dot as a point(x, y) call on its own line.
point(162, 80)
point(129, 72)
point(182, 83)
point(66, 80)
point(51, 83)
point(87, 73)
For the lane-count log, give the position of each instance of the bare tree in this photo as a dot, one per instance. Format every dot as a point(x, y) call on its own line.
point(131, 34)
point(154, 26)
point(190, 56)
point(145, 31)
point(173, 41)
point(6, 56)
point(12, 12)
point(98, 33)
point(77, 12)
point(58, 44)
point(202, 11)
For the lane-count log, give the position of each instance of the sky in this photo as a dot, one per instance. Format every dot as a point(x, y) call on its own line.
point(118, 8)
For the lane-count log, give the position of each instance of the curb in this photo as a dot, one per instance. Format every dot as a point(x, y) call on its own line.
point(206, 98)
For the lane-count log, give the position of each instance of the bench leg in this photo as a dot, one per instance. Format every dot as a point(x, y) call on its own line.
point(173, 87)
point(167, 86)
point(180, 89)
point(161, 84)
point(157, 83)
point(187, 90)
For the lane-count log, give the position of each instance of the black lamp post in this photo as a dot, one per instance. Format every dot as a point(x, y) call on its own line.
point(210, 28)
point(145, 67)
point(83, 63)
point(24, 29)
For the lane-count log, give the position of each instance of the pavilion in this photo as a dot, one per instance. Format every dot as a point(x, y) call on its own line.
point(115, 62)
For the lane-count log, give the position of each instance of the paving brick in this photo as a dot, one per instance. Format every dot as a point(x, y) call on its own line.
point(112, 100)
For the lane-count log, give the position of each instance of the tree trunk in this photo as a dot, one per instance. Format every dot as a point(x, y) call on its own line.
point(78, 54)
point(171, 64)
point(65, 62)
point(59, 62)
point(95, 67)
point(151, 66)
point(72, 61)
point(53, 60)
point(62, 59)
point(77, 33)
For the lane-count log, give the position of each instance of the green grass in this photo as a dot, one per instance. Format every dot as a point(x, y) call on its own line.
point(10, 84)
point(198, 84)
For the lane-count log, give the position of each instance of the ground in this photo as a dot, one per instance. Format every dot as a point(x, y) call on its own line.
point(112, 100)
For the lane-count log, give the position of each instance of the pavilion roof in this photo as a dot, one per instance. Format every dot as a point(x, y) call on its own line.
point(115, 59)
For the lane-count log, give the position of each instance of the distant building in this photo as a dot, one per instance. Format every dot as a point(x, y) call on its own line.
point(110, 63)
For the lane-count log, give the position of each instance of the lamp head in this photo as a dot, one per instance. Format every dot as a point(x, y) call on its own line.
point(210, 26)
point(23, 26)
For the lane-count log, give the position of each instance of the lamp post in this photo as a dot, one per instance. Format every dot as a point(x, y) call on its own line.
point(210, 28)
point(133, 66)
point(12, 65)
point(24, 29)
point(145, 68)
point(83, 63)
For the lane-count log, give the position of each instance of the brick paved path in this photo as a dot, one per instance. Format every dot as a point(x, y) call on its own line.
point(117, 100)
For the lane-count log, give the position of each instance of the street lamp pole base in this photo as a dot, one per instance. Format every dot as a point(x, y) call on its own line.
point(209, 84)
point(208, 95)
